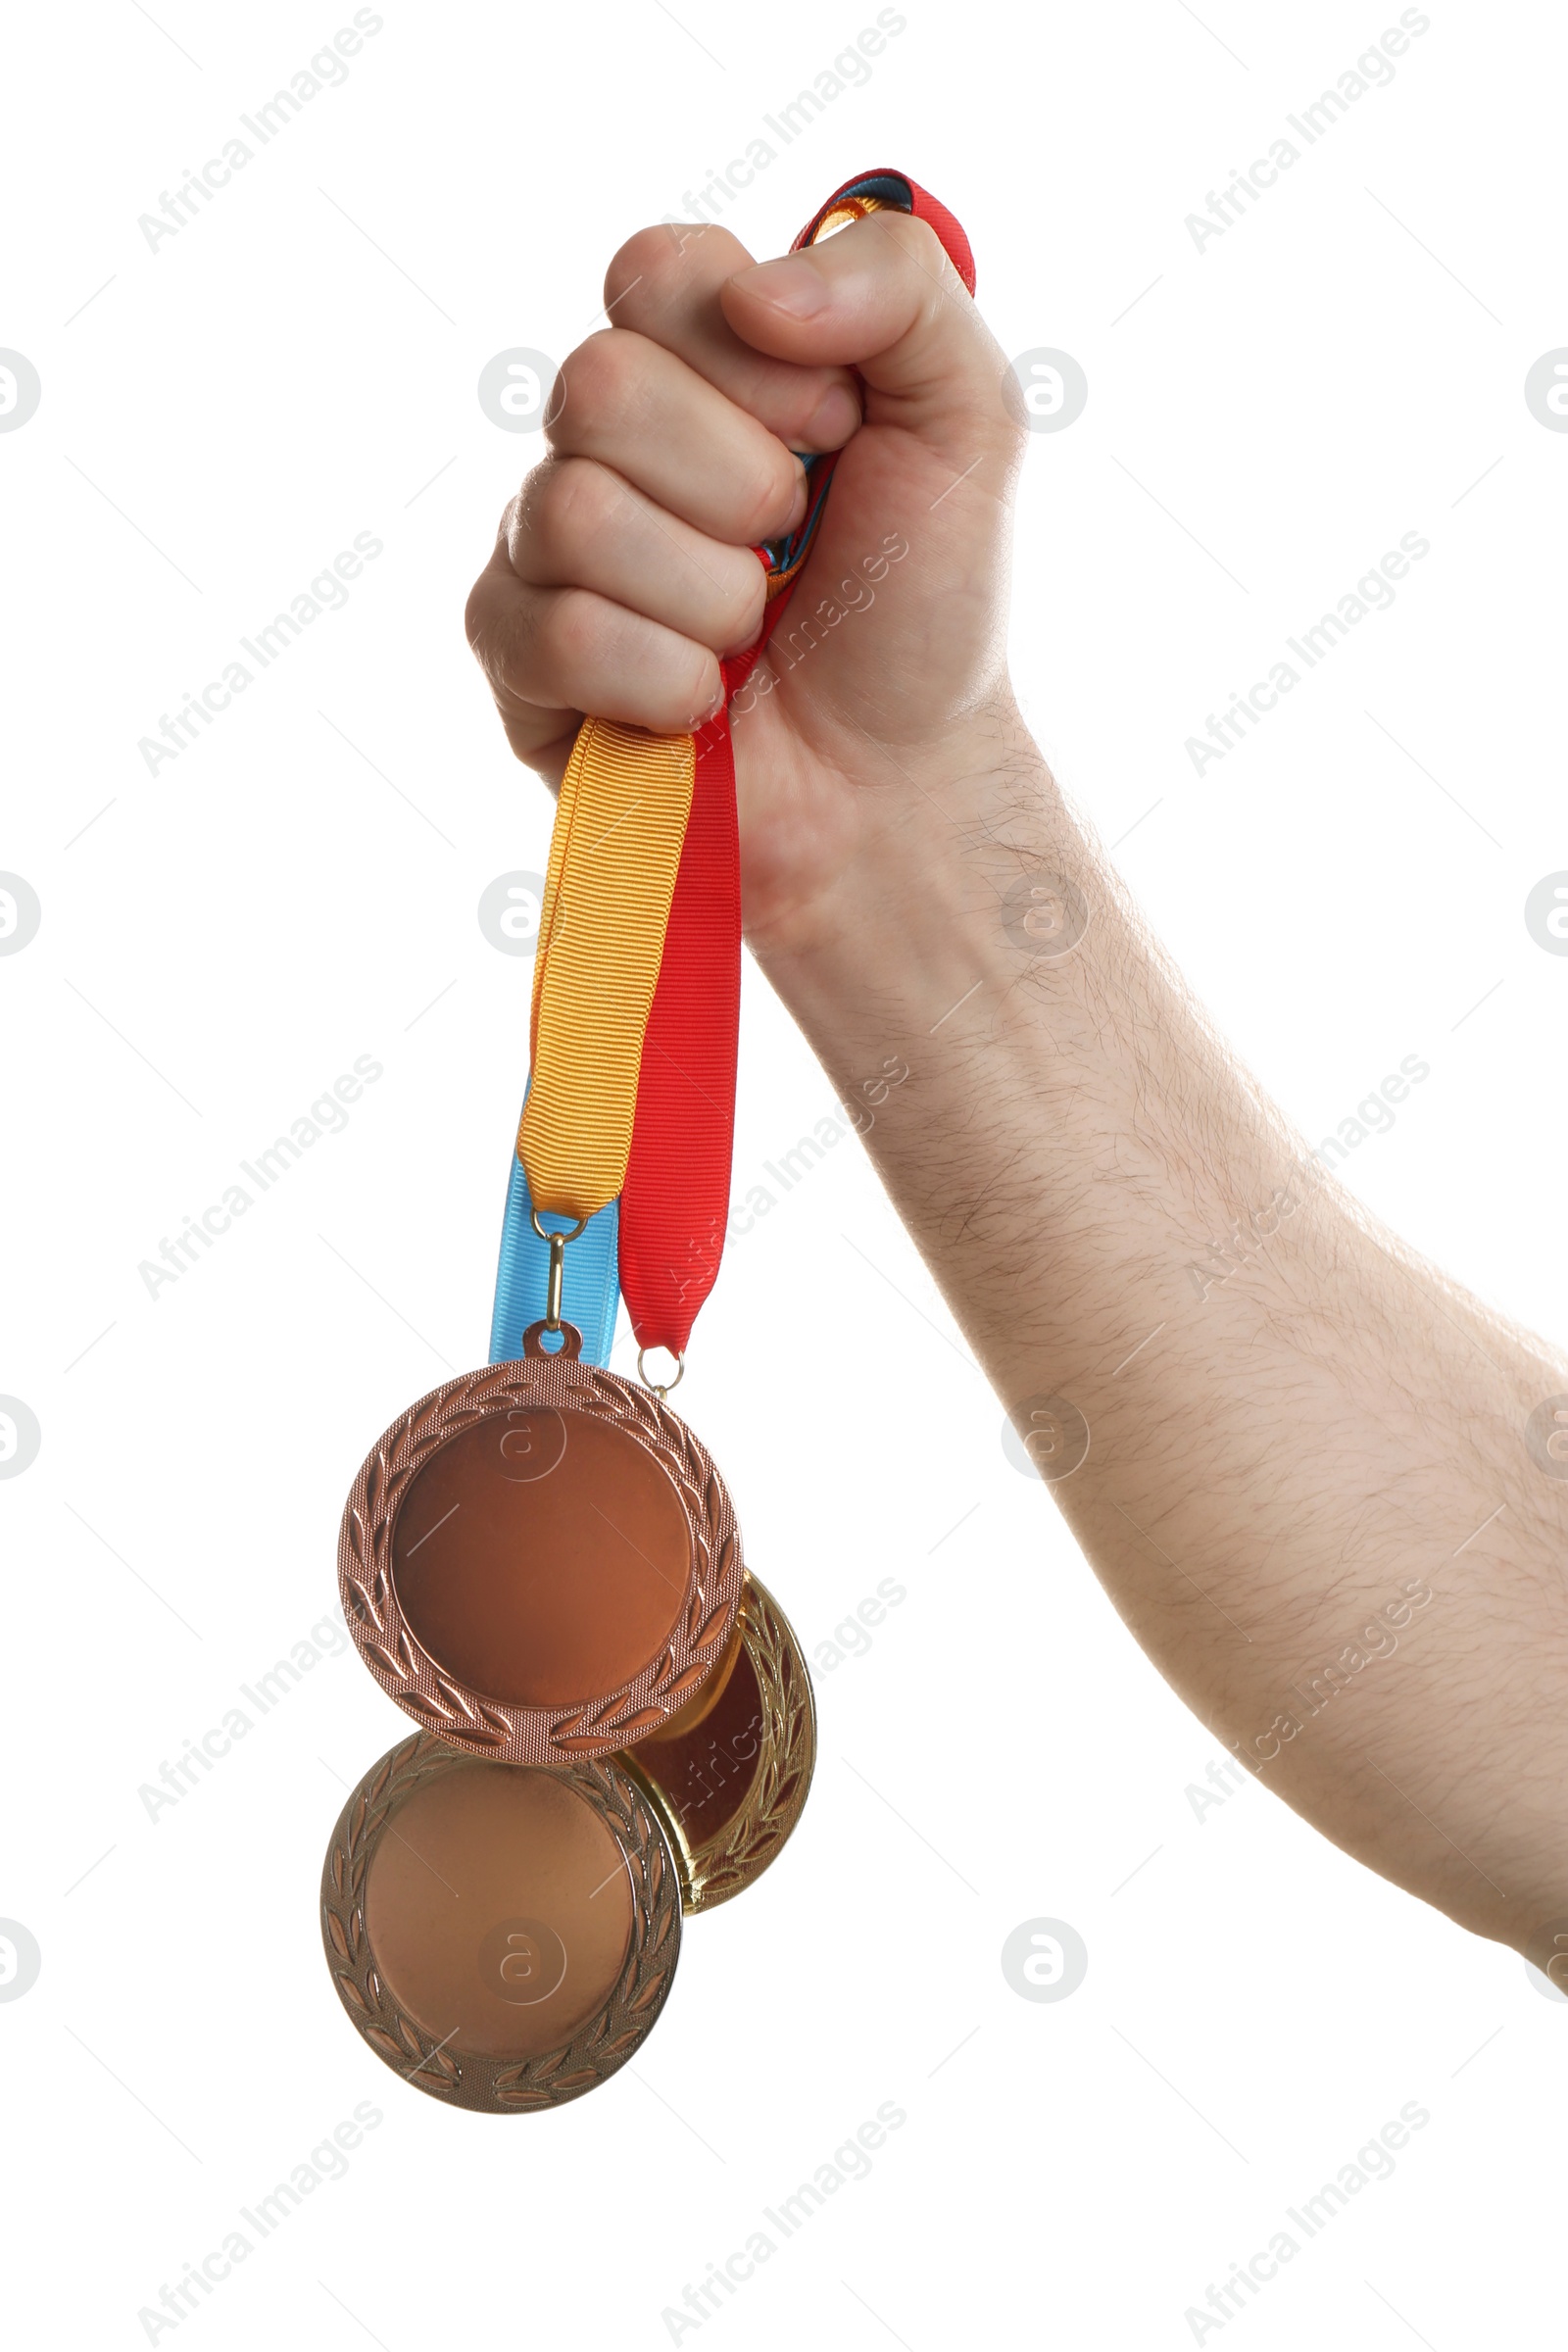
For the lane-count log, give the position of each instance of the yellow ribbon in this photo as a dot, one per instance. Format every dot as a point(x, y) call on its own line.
point(624, 802)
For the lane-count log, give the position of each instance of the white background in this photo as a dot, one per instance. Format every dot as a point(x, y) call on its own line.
point(297, 366)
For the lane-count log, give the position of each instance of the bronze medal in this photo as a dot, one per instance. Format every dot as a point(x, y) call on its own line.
point(539, 1562)
point(729, 1774)
point(503, 1937)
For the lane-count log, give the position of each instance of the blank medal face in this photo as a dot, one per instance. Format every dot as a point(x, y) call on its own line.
point(500, 1910)
point(539, 1562)
point(502, 1936)
point(542, 1557)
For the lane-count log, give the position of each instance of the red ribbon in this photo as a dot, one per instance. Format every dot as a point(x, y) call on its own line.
point(675, 1202)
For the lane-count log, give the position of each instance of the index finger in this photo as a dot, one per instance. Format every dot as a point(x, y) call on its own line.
point(664, 283)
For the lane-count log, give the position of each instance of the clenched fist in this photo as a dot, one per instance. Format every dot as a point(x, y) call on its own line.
point(624, 568)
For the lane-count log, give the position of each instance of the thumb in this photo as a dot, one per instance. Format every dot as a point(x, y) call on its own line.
point(882, 297)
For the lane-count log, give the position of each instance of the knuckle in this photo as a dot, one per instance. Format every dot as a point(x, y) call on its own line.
point(474, 614)
point(519, 521)
point(569, 630)
point(574, 502)
point(764, 499)
point(919, 258)
point(698, 682)
point(651, 263)
point(492, 636)
point(601, 377)
point(653, 269)
point(916, 240)
point(743, 606)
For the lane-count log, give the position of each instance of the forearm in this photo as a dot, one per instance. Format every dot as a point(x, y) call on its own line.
point(1296, 1431)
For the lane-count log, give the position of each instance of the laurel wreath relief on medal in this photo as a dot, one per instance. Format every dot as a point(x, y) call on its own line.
point(740, 1851)
point(491, 1727)
point(600, 2046)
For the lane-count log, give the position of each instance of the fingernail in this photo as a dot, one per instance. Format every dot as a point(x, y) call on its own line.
point(835, 418)
point(791, 286)
point(800, 502)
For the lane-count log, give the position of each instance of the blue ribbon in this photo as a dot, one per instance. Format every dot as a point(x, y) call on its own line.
point(590, 1289)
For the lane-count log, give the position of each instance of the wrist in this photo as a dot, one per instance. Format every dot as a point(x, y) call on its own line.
point(933, 873)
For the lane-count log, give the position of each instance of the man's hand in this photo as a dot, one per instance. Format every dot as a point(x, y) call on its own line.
point(623, 569)
point(1310, 1484)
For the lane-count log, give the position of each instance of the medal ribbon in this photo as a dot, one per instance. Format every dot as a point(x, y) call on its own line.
point(625, 800)
point(636, 998)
